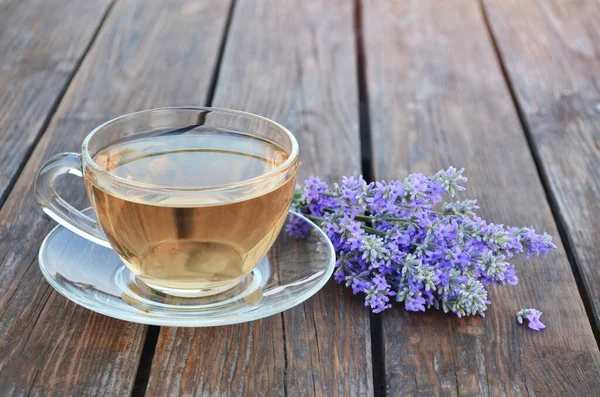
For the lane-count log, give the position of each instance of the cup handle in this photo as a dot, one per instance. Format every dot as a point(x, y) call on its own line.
point(56, 207)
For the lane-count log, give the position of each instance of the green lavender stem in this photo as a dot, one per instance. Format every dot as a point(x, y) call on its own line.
point(366, 228)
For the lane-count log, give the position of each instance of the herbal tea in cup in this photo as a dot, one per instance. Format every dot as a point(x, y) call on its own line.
point(190, 198)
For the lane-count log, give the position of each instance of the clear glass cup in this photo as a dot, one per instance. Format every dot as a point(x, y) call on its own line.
point(101, 183)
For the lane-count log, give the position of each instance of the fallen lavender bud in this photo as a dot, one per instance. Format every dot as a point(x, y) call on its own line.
point(393, 245)
point(533, 316)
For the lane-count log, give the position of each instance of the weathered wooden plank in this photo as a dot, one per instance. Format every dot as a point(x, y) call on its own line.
point(41, 44)
point(147, 54)
point(438, 98)
point(294, 62)
point(551, 51)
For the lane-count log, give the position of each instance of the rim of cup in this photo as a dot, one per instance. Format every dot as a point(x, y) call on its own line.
point(290, 161)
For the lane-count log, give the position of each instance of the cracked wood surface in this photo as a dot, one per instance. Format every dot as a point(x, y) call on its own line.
point(41, 46)
point(437, 97)
point(551, 51)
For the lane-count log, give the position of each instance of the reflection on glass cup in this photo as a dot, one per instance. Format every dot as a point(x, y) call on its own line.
point(190, 198)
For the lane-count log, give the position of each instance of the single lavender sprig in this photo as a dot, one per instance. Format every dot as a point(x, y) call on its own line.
point(393, 245)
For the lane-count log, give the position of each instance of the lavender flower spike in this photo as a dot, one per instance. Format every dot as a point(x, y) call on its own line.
point(397, 242)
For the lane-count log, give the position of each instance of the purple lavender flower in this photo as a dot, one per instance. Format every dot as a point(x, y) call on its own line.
point(392, 242)
point(535, 243)
point(297, 227)
point(533, 317)
point(314, 196)
point(415, 304)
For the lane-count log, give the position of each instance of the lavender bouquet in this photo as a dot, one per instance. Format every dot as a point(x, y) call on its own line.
point(393, 243)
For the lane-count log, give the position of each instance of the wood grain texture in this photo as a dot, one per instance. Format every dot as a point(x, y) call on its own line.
point(438, 98)
point(41, 44)
point(147, 54)
point(294, 62)
point(551, 51)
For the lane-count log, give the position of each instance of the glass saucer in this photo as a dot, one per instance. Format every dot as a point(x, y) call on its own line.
point(94, 277)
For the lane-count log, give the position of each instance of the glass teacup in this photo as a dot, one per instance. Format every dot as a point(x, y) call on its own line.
point(190, 198)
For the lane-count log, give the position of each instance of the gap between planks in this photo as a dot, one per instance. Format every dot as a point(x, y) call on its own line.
point(366, 155)
point(57, 101)
point(142, 376)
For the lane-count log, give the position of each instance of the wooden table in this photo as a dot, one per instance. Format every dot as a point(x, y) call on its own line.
point(509, 89)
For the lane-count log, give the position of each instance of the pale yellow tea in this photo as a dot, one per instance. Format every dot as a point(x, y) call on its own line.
point(194, 241)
